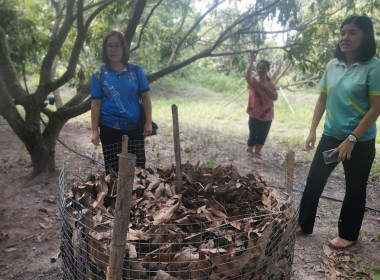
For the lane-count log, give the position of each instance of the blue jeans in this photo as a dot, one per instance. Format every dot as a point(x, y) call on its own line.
point(356, 172)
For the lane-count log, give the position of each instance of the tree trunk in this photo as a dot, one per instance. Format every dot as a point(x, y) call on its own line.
point(41, 151)
point(41, 146)
point(43, 158)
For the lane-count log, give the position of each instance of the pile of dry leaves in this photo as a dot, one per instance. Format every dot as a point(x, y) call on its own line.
point(220, 226)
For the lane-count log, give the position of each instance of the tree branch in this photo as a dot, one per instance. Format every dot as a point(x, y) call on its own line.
point(226, 34)
point(9, 111)
point(83, 92)
point(8, 72)
point(100, 3)
point(194, 26)
point(78, 46)
point(138, 7)
point(176, 46)
point(310, 80)
point(55, 46)
point(144, 25)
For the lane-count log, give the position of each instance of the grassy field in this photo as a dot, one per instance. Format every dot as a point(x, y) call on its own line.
point(210, 103)
point(200, 105)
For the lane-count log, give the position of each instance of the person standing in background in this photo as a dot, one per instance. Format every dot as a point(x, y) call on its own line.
point(350, 96)
point(116, 90)
point(260, 106)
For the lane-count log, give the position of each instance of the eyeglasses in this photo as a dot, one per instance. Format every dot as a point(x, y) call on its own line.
point(115, 46)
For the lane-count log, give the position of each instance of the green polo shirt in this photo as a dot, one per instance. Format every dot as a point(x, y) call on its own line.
point(348, 91)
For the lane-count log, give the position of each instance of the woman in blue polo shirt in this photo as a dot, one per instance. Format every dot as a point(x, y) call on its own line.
point(116, 88)
point(350, 96)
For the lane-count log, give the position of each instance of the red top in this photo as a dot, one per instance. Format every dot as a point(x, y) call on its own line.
point(260, 106)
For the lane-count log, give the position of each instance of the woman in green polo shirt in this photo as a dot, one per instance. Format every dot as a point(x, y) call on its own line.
point(350, 96)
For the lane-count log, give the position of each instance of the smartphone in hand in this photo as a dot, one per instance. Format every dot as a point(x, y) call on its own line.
point(327, 159)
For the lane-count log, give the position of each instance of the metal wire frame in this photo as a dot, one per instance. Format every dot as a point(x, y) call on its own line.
point(86, 257)
point(205, 150)
point(85, 250)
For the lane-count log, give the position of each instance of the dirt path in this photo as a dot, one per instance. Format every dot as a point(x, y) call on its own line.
point(29, 219)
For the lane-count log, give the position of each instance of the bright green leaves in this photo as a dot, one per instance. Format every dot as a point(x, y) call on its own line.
point(25, 25)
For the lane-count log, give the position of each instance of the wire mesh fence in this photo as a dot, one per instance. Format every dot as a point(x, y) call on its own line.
point(206, 242)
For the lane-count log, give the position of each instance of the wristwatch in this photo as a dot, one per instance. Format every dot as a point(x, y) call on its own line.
point(352, 138)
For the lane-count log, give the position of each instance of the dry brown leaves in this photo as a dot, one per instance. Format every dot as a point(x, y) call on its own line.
point(220, 225)
point(341, 265)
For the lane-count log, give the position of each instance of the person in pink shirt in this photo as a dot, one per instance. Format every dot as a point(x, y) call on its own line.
point(260, 106)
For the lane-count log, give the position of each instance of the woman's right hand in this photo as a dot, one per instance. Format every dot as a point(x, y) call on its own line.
point(310, 141)
point(95, 137)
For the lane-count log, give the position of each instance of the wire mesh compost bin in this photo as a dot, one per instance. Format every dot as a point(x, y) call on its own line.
point(219, 224)
point(197, 234)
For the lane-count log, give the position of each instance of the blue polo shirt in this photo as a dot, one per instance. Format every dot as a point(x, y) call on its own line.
point(348, 91)
point(120, 94)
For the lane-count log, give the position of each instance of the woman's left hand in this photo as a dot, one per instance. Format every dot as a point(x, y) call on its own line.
point(148, 129)
point(263, 84)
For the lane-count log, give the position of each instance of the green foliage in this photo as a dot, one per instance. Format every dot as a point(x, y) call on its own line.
point(28, 31)
point(31, 31)
point(376, 272)
point(321, 21)
point(205, 75)
point(210, 163)
point(156, 43)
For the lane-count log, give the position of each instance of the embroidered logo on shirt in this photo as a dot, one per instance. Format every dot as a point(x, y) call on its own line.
point(131, 77)
point(98, 73)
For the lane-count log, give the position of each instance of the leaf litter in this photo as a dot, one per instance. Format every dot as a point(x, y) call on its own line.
point(221, 224)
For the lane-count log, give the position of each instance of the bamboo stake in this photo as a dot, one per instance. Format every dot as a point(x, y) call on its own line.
point(234, 98)
point(287, 101)
point(177, 147)
point(127, 163)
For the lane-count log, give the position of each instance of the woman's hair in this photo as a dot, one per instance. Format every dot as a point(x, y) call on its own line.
point(368, 46)
point(267, 64)
point(124, 46)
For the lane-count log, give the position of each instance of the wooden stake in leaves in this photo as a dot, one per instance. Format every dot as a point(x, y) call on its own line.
point(177, 147)
point(289, 178)
point(127, 163)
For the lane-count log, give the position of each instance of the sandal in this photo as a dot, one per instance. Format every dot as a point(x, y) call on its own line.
point(340, 243)
point(250, 150)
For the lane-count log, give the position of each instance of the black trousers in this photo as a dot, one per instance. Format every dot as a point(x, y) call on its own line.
point(258, 131)
point(356, 172)
point(111, 143)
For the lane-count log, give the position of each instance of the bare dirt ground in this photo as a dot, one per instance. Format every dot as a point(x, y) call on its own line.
point(30, 227)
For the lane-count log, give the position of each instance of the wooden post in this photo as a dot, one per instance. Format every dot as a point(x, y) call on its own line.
point(289, 179)
point(177, 148)
point(88, 223)
point(127, 164)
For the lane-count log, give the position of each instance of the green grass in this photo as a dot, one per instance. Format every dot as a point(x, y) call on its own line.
point(207, 109)
point(210, 102)
point(200, 105)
